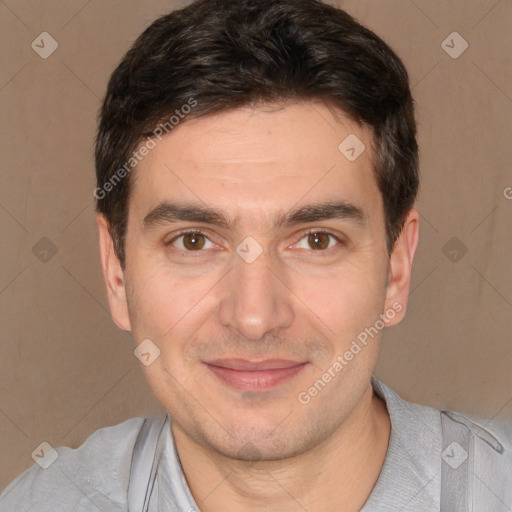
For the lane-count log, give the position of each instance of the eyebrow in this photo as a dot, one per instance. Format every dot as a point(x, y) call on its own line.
point(168, 212)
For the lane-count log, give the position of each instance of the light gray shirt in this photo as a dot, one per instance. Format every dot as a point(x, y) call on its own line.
point(95, 476)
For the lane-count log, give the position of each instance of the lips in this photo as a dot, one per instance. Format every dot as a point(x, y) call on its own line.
point(248, 375)
point(244, 364)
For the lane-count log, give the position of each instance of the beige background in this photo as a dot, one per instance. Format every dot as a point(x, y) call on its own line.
point(66, 370)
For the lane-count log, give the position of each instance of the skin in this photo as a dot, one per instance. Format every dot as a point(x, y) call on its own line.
point(264, 450)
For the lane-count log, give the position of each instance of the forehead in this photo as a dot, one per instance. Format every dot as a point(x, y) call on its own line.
point(259, 163)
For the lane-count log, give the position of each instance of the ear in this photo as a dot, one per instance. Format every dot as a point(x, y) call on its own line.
point(400, 267)
point(114, 276)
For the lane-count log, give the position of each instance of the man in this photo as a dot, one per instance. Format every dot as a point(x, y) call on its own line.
point(257, 168)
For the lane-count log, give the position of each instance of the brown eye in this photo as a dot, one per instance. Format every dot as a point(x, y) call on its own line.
point(193, 241)
point(318, 240)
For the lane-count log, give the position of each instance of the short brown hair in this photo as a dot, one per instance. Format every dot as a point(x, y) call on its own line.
point(224, 54)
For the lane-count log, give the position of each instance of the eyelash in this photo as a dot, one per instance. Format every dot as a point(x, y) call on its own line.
point(198, 231)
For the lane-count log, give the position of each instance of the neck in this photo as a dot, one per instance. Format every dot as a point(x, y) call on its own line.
point(339, 473)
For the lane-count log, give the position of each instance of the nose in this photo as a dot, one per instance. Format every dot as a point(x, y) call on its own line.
point(255, 301)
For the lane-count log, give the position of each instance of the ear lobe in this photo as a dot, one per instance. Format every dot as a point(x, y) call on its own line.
point(113, 275)
point(400, 267)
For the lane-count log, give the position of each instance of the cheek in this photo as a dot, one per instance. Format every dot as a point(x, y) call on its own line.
point(162, 302)
point(346, 299)
point(173, 306)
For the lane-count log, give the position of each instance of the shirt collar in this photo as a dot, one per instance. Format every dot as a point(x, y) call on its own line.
point(410, 478)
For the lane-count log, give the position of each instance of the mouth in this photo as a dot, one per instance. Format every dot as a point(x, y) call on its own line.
point(248, 375)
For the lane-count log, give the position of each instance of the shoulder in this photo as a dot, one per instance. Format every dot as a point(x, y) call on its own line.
point(93, 476)
point(419, 430)
point(490, 459)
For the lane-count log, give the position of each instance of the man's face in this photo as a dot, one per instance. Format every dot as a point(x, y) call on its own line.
point(209, 300)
